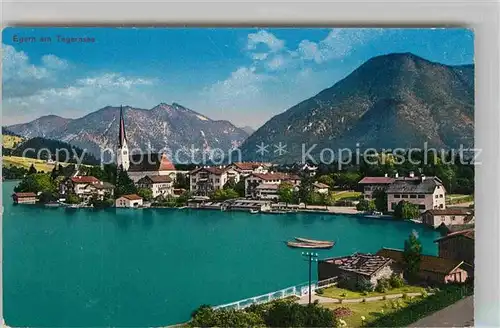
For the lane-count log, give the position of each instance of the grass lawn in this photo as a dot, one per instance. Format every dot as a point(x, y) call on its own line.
point(9, 141)
point(336, 292)
point(370, 310)
point(40, 165)
point(346, 195)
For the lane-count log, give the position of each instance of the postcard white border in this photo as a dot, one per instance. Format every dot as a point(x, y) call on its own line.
point(482, 16)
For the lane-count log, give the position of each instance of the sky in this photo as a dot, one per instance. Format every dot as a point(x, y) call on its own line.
point(244, 75)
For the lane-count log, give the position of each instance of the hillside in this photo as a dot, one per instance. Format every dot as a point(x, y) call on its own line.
point(168, 127)
point(391, 101)
point(41, 127)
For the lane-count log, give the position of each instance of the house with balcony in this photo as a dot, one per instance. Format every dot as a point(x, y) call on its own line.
point(426, 192)
point(160, 185)
point(266, 184)
point(205, 180)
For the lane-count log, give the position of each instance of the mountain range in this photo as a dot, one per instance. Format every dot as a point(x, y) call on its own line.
point(171, 127)
point(392, 101)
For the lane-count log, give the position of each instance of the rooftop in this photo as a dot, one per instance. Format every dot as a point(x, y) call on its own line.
point(275, 176)
point(376, 180)
point(85, 179)
point(132, 197)
point(320, 185)
point(424, 185)
point(427, 263)
point(24, 194)
point(209, 169)
point(449, 211)
point(150, 162)
point(365, 264)
point(469, 233)
point(159, 178)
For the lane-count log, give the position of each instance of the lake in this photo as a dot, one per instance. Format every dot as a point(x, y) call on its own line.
point(152, 267)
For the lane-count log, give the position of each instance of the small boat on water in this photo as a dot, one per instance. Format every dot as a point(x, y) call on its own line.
point(52, 204)
point(374, 215)
point(254, 211)
point(309, 245)
point(312, 241)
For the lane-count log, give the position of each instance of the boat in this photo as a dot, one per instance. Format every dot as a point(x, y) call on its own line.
point(309, 245)
point(312, 241)
point(254, 211)
point(52, 204)
point(374, 215)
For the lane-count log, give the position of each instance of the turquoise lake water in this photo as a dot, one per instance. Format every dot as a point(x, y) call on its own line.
point(152, 267)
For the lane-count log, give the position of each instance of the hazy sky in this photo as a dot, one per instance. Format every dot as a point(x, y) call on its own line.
point(244, 75)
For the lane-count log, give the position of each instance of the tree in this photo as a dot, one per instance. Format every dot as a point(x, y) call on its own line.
point(73, 199)
point(181, 181)
point(326, 179)
point(124, 185)
point(380, 198)
point(411, 255)
point(366, 205)
point(240, 188)
point(32, 169)
point(46, 197)
point(38, 182)
point(406, 210)
point(285, 192)
point(305, 189)
point(145, 193)
point(291, 314)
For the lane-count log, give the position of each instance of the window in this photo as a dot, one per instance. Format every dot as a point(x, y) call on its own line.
point(441, 196)
point(453, 217)
point(421, 196)
point(440, 205)
point(397, 196)
point(437, 196)
point(124, 153)
point(413, 196)
point(404, 196)
point(421, 207)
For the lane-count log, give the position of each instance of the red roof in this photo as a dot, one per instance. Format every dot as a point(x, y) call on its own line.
point(247, 166)
point(210, 169)
point(85, 179)
point(132, 197)
point(376, 180)
point(165, 164)
point(275, 176)
point(24, 194)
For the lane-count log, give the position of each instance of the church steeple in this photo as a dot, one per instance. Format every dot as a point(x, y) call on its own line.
point(122, 156)
point(121, 136)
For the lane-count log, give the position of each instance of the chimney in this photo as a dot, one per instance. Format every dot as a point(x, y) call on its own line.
point(412, 174)
point(396, 175)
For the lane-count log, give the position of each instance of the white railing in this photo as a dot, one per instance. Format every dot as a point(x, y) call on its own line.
point(297, 290)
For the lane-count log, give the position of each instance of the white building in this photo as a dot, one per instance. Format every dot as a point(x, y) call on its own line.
point(426, 192)
point(122, 156)
point(205, 180)
point(321, 188)
point(132, 200)
point(254, 180)
point(86, 187)
point(160, 185)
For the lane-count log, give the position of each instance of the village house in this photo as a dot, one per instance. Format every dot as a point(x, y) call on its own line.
point(309, 170)
point(433, 269)
point(448, 217)
point(86, 187)
point(321, 188)
point(160, 185)
point(132, 200)
point(425, 192)
point(259, 184)
point(458, 246)
point(99, 190)
point(357, 267)
point(205, 180)
point(369, 185)
point(24, 198)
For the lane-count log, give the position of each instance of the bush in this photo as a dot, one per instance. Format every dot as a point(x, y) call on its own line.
point(383, 285)
point(396, 281)
point(319, 291)
point(364, 285)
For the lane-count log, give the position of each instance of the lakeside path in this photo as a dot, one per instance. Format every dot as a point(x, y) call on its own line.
point(325, 300)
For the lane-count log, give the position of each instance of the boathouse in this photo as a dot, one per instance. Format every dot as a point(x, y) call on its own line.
point(132, 200)
point(24, 198)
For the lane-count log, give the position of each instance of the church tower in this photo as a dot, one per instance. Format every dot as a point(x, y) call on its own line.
point(122, 154)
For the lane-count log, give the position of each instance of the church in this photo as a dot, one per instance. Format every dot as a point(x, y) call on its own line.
point(139, 166)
